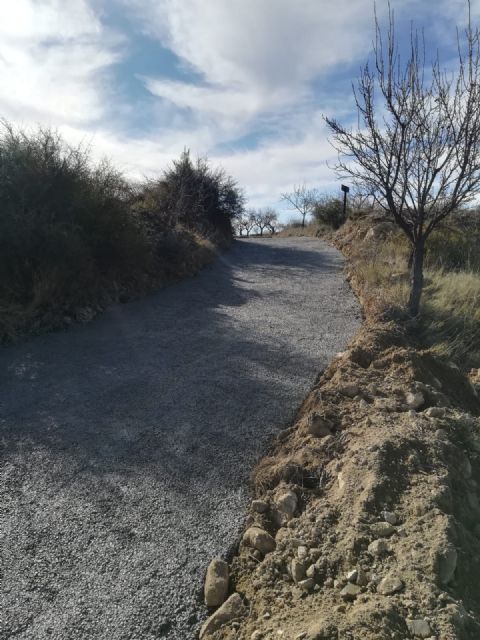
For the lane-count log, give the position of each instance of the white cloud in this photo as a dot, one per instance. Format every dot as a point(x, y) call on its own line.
point(254, 58)
point(256, 66)
point(52, 55)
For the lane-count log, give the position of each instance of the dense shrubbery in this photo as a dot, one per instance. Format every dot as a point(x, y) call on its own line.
point(74, 233)
point(329, 211)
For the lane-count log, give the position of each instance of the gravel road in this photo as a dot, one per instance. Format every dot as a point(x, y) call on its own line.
point(126, 445)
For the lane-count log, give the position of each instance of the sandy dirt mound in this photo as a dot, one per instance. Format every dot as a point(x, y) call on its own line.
point(372, 501)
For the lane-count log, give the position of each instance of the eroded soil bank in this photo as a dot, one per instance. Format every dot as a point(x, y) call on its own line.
point(366, 522)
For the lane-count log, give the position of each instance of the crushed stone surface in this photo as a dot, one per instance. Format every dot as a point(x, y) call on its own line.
point(127, 444)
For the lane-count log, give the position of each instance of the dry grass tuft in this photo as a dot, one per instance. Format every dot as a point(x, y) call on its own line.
point(450, 313)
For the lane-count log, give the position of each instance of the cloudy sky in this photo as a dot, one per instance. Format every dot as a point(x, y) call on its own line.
point(246, 82)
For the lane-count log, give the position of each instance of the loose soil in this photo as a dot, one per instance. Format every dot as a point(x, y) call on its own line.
point(383, 462)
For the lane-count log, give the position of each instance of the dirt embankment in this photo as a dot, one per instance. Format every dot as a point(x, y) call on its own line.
point(366, 522)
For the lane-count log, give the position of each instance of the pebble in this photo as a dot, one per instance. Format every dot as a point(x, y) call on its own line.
point(378, 547)
point(216, 583)
point(302, 552)
point(350, 591)
point(414, 400)
point(389, 517)
point(307, 585)
point(256, 635)
point(362, 578)
point(287, 502)
point(297, 569)
point(351, 390)
point(389, 585)
point(435, 412)
point(447, 564)
point(231, 609)
point(352, 576)
point(311, 571)
point(382, 529)
point(259, 539)
point(418, 627)
point(260, 506)
point(319, 426)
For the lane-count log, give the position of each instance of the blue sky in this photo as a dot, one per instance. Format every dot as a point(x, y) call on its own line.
point(245, 82)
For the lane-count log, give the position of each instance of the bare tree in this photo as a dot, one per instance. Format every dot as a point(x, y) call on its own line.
point(260, 220)
point(302, 199)
point(270, 217)
point(417, 150)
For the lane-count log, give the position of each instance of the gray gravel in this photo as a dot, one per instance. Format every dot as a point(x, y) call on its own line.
point(126, 444)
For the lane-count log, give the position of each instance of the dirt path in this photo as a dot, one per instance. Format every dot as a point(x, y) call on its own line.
point(126, 445)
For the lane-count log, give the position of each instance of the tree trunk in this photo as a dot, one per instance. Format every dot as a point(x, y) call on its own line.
point(303, 220)
point(417, 277)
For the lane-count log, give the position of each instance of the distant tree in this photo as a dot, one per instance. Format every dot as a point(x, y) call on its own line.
point(245, 222)
point(260, 220)
point(417, 150)
point(271, 219)
point(302, 200)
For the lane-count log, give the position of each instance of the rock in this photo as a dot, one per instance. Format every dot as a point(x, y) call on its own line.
point(256, 635)
point(351, 390)
point(378, 548)
point(389, 517)
point(362, 578)
point(352, 576)
point(389, 585)
point(418, 627)
point(216, 583)
point(341, 481)
point(320, 630)
point(386, 404)
point(297, 569)
point(382, 529)
point(279, 518)
point(446, 564)
point(282, 534)
point(307, 585)
point(435, 412)
point(230, 610)
point(350, 591)
point(310, 573)
point(302, 551)
point(286, 502)
point(414, 400)
point(259, 539)
point(260, 506)
point(318, 425)
point(301, 635)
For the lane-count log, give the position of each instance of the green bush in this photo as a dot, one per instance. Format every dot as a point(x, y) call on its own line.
point(196, 196)
point(65, 225)
point(329, 211)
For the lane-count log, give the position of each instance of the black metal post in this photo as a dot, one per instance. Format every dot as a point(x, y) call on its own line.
point(345, 190)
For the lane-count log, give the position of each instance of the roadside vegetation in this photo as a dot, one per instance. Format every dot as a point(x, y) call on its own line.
point(75, 235)
point(449, 315)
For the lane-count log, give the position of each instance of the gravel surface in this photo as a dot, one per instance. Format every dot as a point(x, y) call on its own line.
point(126, 444)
